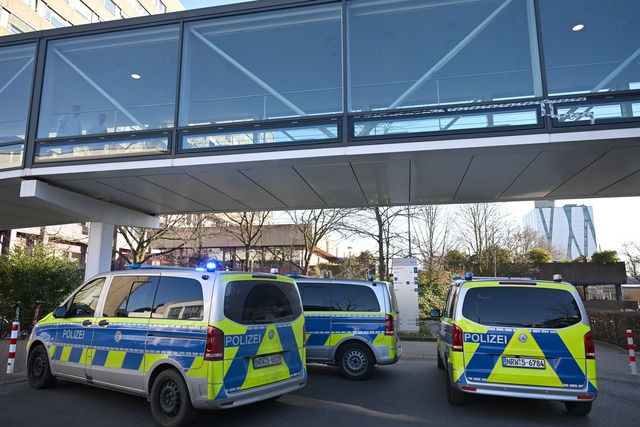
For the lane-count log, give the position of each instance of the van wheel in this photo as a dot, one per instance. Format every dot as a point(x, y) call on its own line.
point(38, 368)
point(578, 408)
point(355, 361)
point(454, 396)
point(170, 401)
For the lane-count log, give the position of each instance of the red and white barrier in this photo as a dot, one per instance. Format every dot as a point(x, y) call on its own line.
point(632, 353)
point(12, 347)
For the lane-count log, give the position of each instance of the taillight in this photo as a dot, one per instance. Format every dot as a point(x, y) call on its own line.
point(388, 325)
point(589, 346)
point(457, 338)
point(214, 349)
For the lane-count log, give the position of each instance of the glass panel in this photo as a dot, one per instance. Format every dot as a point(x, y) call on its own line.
point(444, 122)
point(262, 66)
point(128, 76)
point(415, 53)
point(259, 136)
point(88, 149)
point(11, 156)
point(179, 298)
point(595, 112)
point(601, 56)
point(16, 76)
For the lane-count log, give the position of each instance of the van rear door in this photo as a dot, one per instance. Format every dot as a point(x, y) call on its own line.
point(263, 330)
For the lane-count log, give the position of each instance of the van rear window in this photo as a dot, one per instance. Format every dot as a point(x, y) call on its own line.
point(261, 301)
point(521, 307)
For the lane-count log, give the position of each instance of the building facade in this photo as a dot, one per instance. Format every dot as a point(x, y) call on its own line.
point(569, 228)
point(21, 16)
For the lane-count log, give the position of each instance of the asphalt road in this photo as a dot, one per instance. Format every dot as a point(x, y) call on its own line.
point(410, 393)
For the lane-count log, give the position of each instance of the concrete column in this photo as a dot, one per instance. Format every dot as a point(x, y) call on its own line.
point(99, 250)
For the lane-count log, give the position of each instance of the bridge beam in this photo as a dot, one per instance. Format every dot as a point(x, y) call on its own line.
point(101, 216)
point(86, 209)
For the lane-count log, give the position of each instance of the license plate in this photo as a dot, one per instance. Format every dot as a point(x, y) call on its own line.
point(523, 362)
point(264, 361)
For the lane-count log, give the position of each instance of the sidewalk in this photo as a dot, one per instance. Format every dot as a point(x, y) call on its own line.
point(612, 362)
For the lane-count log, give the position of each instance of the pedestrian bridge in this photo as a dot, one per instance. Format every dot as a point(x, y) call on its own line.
point(283, 105)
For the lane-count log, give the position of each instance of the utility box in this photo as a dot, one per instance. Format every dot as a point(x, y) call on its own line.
point(405, 284)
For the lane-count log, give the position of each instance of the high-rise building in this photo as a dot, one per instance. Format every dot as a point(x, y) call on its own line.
point(21, 16)
point(569, 228)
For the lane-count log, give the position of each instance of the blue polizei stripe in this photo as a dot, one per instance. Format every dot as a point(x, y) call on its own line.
point(560, 358)
point(291, 355)
point(133, 360)
point(491, 344)
point(75, 355)
point(248, 345)
point(57, 353)
point(317, 323)
point(99, 357)
point(184, 361)
point(317, 339)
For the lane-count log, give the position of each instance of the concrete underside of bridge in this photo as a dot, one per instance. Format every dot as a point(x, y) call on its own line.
point(600, 163)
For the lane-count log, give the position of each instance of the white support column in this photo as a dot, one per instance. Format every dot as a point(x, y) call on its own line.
point(100, 248)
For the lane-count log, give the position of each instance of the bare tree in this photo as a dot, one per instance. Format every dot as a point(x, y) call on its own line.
point(380, 223)
point(140, 240)
point(631, 251)
point(482, 229)
point(432, 234)
point(315, 225)
point(248, 228)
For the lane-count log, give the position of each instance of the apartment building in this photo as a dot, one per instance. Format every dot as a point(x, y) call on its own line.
point(21, 16)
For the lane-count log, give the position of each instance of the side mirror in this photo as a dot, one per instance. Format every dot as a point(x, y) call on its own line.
point(60, 312)
point(435, 314)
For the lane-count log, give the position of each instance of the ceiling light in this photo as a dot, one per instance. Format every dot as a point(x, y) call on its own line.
point(135, 76)
point(578, 27)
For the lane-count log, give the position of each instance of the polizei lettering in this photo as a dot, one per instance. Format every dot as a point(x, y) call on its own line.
point(238, 340)
point(72, 335)
point(485, 338)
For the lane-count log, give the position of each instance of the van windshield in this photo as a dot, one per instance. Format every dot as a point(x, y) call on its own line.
point(521, 307)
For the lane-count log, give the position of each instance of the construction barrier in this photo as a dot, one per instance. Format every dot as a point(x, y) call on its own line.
point(12, 347)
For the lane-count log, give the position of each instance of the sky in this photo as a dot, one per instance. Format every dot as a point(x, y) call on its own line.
point(616, 220)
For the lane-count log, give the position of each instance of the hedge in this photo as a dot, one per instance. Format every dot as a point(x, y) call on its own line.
point(611, 327)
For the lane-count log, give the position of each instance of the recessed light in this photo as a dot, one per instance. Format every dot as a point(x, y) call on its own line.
point(135, 76)
point(578, 27)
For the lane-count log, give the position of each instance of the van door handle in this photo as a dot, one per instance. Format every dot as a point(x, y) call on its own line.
point(86, 322)
point(103, 323)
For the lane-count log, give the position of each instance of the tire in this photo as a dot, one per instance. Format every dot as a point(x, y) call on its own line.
point(578, 408)
point(440, 363)
point(454, 396)
point(38, 368)
point(355, 361)
point(170, 400)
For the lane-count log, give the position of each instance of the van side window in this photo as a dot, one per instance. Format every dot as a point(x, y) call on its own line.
point(178, 298)
point(130, 296)
point(315, 296)
point(353, 298)
point(259, 302)
point(85, 301)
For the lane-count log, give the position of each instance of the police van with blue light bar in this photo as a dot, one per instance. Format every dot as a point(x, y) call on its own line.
point(186, 339)
point(522, 338)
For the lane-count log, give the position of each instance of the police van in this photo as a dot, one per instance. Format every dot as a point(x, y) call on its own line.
point(350, 323)
point(522, 338)
point(183, 338)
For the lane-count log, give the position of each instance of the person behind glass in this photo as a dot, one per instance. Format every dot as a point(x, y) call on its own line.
point(69, 124)
point(98, 125)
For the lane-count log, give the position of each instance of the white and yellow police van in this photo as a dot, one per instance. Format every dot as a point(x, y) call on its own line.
point(185, 339)
point(351, 324)
point(522, 338)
